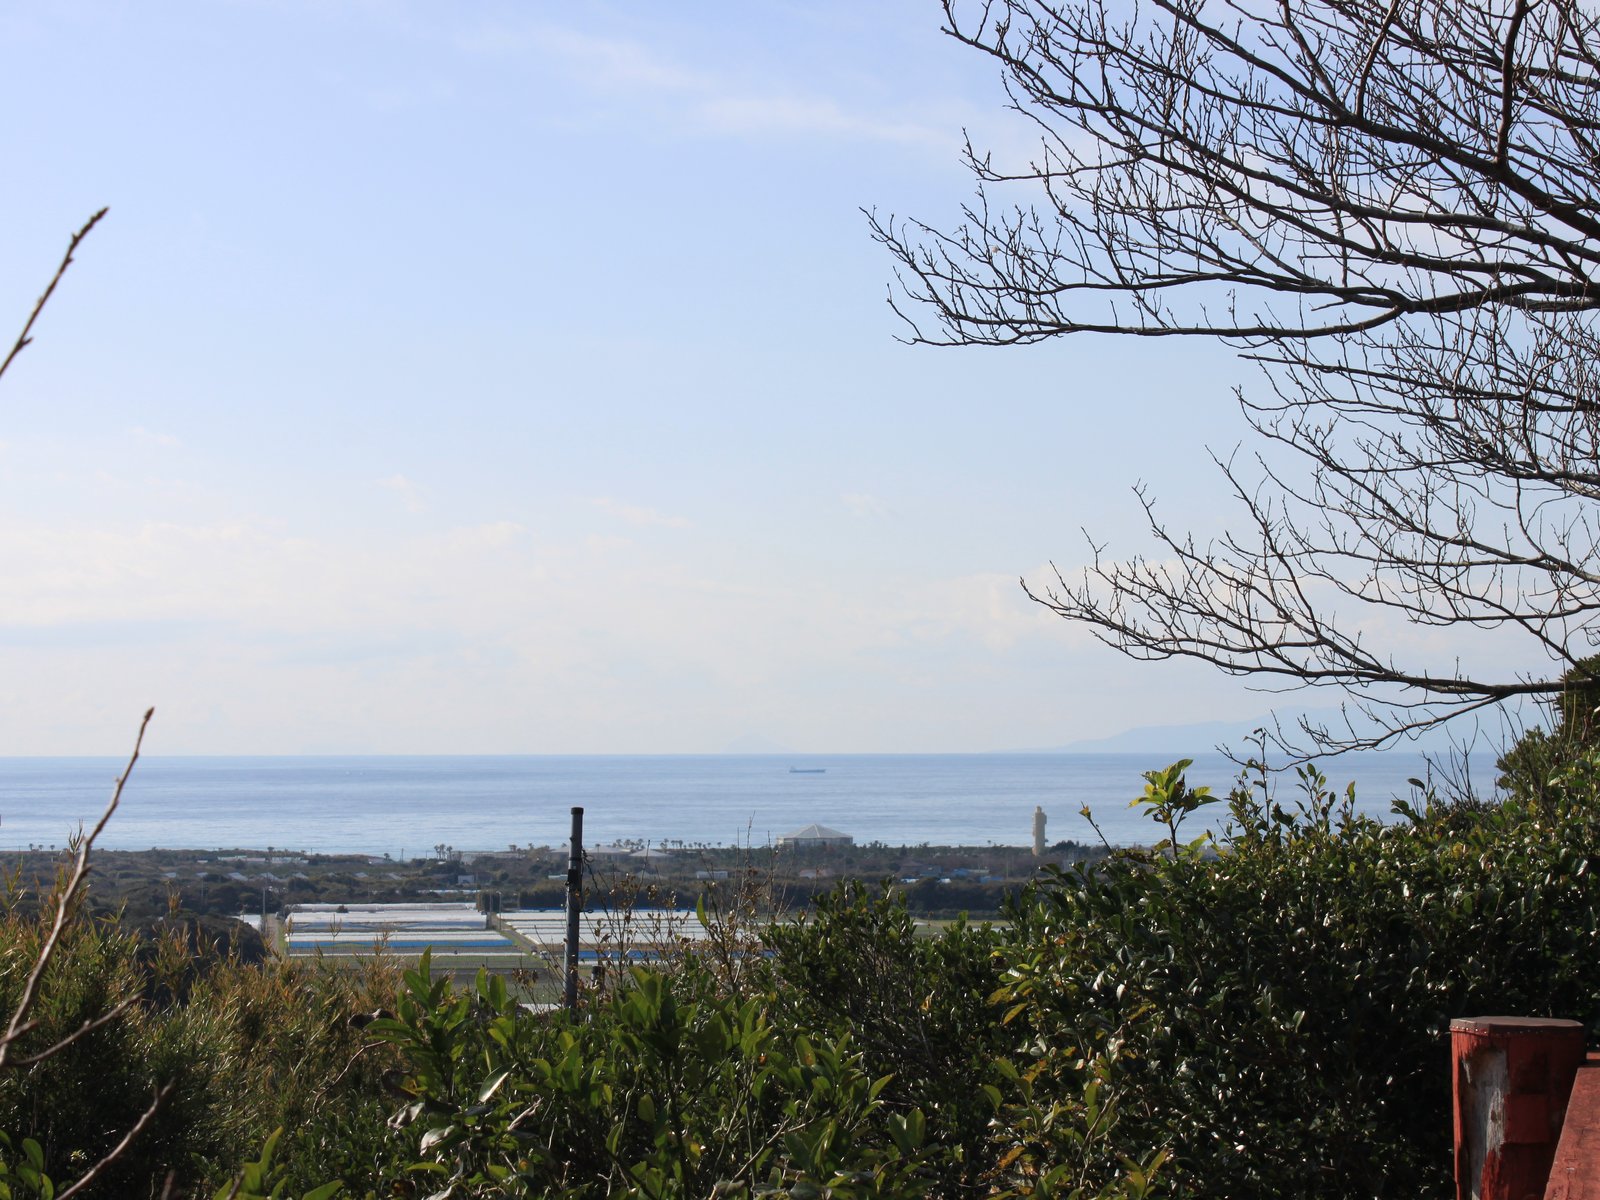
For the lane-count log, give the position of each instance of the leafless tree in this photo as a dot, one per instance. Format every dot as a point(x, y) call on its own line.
point(1392, 207)
point(68, 897)
point(25, 338)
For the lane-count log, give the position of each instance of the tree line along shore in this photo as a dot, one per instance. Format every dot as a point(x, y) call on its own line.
point(147, 885)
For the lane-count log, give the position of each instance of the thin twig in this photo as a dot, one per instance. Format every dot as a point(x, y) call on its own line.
point(66, 261)
point(127, 1140)
point(1372, 58)
point(1508, 85)
point(317, 1097)
point(69, 894)
point(89, 1026)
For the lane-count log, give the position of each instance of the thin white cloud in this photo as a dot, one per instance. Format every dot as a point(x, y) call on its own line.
point(152, 438)
point(493, 535)
point(707, 101)
point(992, 610)
point(485, 638)
point(602, 63)
point(407, 490)
point(810, 115)
point(864, 504)
point(635, 514)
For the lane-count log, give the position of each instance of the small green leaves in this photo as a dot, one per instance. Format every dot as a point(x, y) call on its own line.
point(1169, 800)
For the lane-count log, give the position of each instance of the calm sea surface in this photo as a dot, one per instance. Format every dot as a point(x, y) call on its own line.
point(410, 804)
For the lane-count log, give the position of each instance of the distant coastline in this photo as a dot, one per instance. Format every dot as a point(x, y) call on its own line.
point(405, 805)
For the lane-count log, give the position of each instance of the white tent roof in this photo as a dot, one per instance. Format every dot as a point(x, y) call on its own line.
point(814, 832)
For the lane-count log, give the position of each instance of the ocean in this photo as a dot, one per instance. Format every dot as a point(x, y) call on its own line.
point(408, 805)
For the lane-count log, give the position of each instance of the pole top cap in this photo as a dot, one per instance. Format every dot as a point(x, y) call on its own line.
point(1505, 1025)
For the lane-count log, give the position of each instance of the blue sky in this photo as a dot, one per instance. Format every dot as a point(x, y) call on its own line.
point(518, 378)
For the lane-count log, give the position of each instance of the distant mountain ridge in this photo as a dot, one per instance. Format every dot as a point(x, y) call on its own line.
point(1202, 737)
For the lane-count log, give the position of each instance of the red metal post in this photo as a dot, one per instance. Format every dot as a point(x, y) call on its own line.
point(1575, 1174)
point(1512, 1078)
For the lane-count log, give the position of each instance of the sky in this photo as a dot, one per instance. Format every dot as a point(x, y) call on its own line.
point(518, 378)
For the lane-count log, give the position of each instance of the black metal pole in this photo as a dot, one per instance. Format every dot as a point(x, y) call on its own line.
point(574, 905)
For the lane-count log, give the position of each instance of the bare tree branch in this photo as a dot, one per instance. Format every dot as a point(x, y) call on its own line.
point(69, 893)
point(1360, 105)
point(26, 336)
point(116, 1151)
point(66, 902)
point(111, 1014)
point(1391, 210)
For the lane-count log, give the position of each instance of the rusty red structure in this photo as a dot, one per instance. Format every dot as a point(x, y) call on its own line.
point(1575, 1174)
point(1513, 1077)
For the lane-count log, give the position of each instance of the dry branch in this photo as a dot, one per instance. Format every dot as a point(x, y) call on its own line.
point(1393, 212)
point(26, 336)
point(66, 902)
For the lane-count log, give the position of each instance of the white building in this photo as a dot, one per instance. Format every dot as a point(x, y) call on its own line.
point(815, 835)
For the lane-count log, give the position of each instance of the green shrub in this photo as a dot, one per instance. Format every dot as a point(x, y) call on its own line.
point(1537, 762)
point(664, 1088)
point(1258, 1015)
point(917, 1009)
point(238, 1050)
point(76, 1105)
point(285, 1045)
point(1278, 1010)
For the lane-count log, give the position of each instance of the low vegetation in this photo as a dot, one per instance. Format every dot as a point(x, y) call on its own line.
point(148, 885)
point(1257, 1014)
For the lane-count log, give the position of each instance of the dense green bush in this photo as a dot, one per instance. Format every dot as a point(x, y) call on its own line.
point(238, 1049)
point(1278, 1010)
point(1540, 759)
point(859, 1059)
point(76, 1105)
point(286, 1046)
point(666, 1087)
point(916, 1008)
point(1260, 1014)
